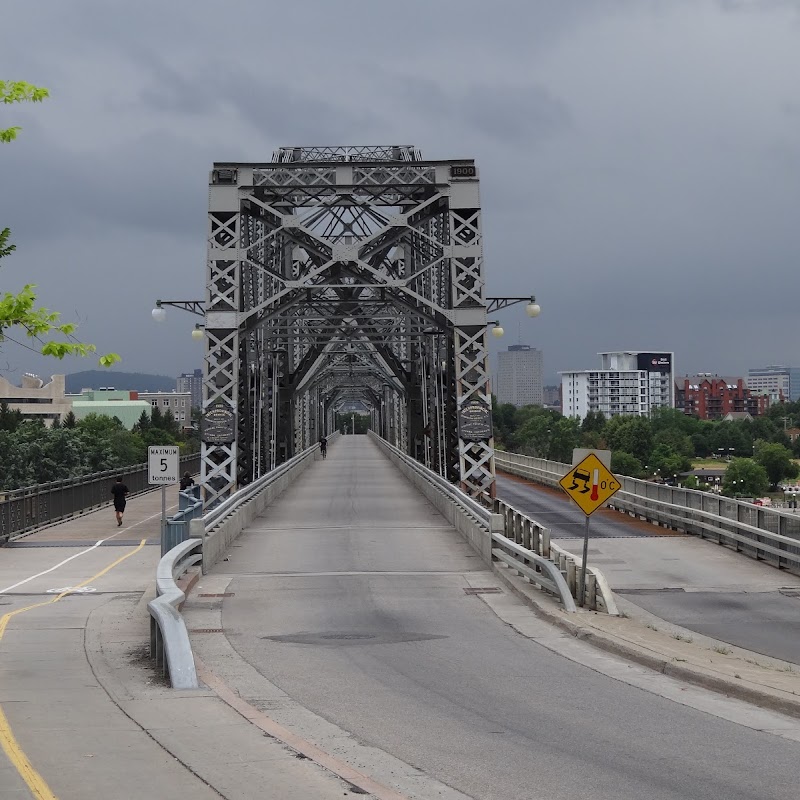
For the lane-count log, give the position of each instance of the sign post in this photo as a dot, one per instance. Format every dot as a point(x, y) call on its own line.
point(162, 469)
point(590, 485)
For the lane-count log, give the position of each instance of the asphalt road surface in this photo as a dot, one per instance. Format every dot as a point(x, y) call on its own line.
point(692, 583)
point(349, 595)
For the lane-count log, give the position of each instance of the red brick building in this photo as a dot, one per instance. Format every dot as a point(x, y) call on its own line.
point(713, 396)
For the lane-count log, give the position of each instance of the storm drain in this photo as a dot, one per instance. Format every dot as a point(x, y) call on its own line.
point(482, 590)
point(223, 594)
point(205, 630)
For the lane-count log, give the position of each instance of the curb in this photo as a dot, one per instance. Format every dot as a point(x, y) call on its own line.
point(730, 687)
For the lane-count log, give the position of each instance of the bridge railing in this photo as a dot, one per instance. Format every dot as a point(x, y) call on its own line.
point(190, 506)
point(25, 510)
point(762, 533)
point(483, 529)
point(527, 541)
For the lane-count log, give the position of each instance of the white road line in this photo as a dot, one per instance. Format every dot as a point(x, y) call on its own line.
point(52, 569)
point(77, 555)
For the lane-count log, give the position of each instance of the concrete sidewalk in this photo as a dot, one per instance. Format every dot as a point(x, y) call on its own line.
point(81, 701)
point(671, 650)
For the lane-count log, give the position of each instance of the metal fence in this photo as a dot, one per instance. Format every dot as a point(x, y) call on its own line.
point(25, 510)
point(761, 532)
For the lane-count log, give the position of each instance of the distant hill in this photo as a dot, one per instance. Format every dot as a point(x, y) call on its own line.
point(126, 381)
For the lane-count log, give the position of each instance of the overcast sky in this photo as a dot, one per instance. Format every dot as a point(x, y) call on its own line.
point(639, 159)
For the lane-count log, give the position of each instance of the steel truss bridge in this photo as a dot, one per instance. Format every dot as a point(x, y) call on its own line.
point(341, 275)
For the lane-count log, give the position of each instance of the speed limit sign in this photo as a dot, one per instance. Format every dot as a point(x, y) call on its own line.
point(162, 465)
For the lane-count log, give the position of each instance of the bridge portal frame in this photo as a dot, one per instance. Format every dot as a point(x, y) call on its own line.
point(370, 248)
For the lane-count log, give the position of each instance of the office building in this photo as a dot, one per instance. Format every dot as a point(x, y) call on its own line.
point(109, 402)
point(520, 373)
point(35, 399)
point(179, 403)
point(192, 383)
point(628, 382)
point(781, 383)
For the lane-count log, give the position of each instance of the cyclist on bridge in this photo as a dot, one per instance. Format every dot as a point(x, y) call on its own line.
point(323, 446)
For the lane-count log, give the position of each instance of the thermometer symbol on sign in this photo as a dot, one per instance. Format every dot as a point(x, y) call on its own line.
point(595, 484)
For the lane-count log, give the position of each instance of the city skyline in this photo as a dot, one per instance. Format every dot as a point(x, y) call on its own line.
point(639, 167)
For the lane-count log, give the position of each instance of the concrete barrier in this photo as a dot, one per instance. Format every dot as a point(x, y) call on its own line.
point(169, 640)
point(474, 522)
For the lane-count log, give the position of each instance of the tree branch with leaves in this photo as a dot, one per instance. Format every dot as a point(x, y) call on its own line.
point(18, 312)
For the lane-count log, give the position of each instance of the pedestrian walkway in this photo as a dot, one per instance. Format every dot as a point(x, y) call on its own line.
point(141, 519)
point(83, 712)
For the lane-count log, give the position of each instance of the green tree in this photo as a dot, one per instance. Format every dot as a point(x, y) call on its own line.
point(169, 424)
point(666, 462)
point(623, 463)
point(631, 435)
point(777, 461)
point(534, 434)
point(143, 423)
point(19, 314)
point(744, 477)
point(593, 422)
point(19, 92)
point(732, 439)
point(10, 419)
point(503, 421)
point(691, 482)
point(565, 435)
point(69, 419)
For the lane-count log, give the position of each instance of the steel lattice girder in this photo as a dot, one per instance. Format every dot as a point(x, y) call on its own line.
point(347, 273)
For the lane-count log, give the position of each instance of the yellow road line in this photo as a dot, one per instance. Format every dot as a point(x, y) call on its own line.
point(34, 781)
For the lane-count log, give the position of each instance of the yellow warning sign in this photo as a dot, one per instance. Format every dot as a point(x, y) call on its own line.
point(590, 484)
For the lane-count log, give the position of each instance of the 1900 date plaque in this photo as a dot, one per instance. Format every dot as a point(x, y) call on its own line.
point(475, 421)
point(218, 424)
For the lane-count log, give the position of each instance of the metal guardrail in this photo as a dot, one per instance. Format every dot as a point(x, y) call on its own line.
point(190, 506)
point(239, 498)
point(527, 540)
point(25, 510)
point(534, 566)
point(760, 532)
point(471, 506)
point(169, 639)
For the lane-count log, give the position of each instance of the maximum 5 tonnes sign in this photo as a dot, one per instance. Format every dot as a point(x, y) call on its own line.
point(162, 465)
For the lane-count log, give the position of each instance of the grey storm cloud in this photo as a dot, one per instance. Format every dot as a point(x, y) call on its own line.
point(639, 159)
point(505, 114)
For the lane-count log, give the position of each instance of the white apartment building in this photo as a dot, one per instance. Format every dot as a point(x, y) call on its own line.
point(179, 403)
point(520, 376)
point(628, 382)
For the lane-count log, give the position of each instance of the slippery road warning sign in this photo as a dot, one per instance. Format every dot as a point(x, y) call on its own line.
point(590, 484)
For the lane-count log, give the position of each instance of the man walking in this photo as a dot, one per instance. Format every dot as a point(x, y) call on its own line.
point(119, 492)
